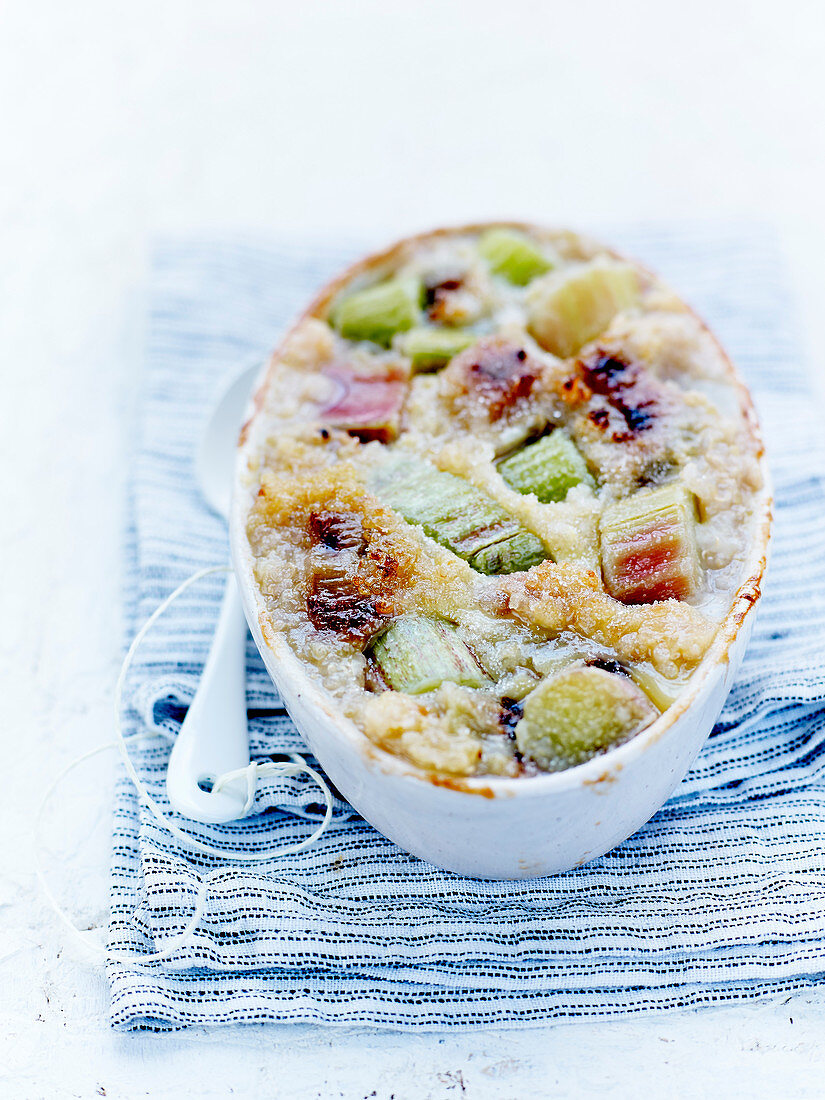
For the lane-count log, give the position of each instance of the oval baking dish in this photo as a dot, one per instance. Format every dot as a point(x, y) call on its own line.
point(500, 521)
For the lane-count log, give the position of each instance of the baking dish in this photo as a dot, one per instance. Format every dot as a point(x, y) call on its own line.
point(494, 826)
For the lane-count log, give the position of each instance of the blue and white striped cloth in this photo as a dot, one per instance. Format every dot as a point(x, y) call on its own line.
point(720, 897)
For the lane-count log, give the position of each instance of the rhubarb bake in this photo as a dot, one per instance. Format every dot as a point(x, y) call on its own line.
point(503, 498)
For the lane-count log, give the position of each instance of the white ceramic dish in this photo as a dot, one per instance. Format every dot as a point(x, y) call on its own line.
point(505, 828)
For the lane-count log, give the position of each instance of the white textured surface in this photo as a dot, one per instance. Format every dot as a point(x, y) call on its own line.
point(119, 122)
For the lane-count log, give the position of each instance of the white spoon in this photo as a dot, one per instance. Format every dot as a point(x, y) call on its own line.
point(214, 737)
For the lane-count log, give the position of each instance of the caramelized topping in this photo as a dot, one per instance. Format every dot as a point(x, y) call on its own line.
point(358, 565)
point(354, 575)
point(337, 531)
point(607, 665)
point(333, 604)
point(437, 299)
point(498, 373)
point(623, 397)
point(509, 715)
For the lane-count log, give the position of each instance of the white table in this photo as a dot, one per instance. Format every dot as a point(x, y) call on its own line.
point(371, 118)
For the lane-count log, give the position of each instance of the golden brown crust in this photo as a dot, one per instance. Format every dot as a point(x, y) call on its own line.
point(670, 635)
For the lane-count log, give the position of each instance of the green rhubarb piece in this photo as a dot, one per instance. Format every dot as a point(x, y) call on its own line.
point(513, 255)
point(648, 545)
point(578, 713)
point(549, 468)
point(567, 308)
point(380, 311)
point(453, 512)
point(513, 555)
point(661, 691)
point(430, 348)
point(450, 509)
point(417, 654)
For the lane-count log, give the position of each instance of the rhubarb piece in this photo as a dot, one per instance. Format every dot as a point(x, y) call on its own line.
point(335, 604)
point(548, 468)
point(578, 713)
point(417, 654)
point(514, 555)
point(658, 688)
point(565, 309)
point(648, 544)
point(455, 513)
point(431, 348)
point(337, 530)
point(450, 509)
point(380, 311)
point(513, 255)
point(367, 407)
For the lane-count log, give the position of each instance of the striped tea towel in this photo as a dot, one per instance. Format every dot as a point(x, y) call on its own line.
point(721, 896)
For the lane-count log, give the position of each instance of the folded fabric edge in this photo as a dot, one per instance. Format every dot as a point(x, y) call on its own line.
point(140, 1006)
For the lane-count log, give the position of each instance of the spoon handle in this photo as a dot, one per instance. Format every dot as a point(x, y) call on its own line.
point(214, 737)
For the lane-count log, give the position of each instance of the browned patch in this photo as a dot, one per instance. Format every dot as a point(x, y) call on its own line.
point(604, 780)
point(574, 391)
point(461, 785)
point(534, 868)
point(337, 605)
point(496, 373)
point(351, 587)
point(337, 530)
point(624, 398)
point(749, 592)
point(358, 564)
point(439, 297)
point(510, 714)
